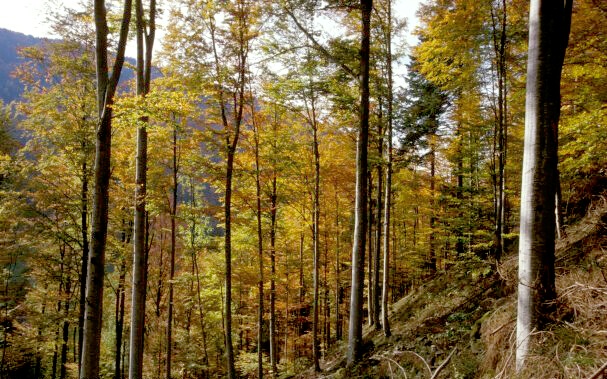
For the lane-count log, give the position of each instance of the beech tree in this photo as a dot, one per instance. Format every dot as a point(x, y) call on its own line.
point(145, 34)
point(360, 212)
point(106, 88)
point(549, 25)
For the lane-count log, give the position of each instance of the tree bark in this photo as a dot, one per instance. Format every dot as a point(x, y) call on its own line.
point(388, 197)
point(549, 24)
point(315, 238)
point(139, 280)
point(273, 209)
point(106, 87)
point(173, 209)
point(259, 243)
point(360, 220)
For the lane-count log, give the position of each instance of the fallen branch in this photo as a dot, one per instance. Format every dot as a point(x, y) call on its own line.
point(599, 372)
point(443, 365)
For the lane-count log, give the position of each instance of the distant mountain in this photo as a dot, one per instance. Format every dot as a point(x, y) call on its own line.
point(10, 88)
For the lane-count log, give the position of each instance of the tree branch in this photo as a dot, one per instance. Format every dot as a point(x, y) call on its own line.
point(319, 47)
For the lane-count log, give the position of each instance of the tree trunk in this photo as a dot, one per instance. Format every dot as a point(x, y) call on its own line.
point(338, 289)
point(549, 24)
point(85, 256)
point(139, 280)
point(388, 197)
point(360, 218)
point(431, 244)
point(173, 209)
point(119, 319)
point(259, 244)
point(315, 238)
point(273, 205)
point(106, 87)
point(378, 226)
point(370, 247)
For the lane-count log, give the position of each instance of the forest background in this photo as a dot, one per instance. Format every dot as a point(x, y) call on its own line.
point(456, 126)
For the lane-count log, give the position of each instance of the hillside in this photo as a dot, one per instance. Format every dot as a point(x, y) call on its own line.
point(461, 323)
point(10, 42)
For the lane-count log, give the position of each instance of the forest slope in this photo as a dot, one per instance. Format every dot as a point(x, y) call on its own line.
point(471, 310)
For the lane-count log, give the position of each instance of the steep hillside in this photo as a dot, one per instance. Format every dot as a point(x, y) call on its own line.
point(461, 323)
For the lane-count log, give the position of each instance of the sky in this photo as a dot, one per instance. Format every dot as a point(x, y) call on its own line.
point(29, 16)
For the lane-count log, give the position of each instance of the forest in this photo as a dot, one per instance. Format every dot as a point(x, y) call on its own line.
point(288, 189)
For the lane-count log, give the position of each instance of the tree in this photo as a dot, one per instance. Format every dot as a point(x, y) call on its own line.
point(106, 88)
point(360, 217)
point(549, 25)
point(144, 65)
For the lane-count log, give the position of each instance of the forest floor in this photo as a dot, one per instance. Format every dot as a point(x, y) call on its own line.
point(461, 323)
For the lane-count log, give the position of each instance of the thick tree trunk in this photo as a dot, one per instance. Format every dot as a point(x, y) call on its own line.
point(549, 23)
point(360, 220)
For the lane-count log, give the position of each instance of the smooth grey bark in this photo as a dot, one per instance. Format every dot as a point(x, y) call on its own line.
point(549, 25)
point(139, 282)
point(360, 218)
point(106, 88)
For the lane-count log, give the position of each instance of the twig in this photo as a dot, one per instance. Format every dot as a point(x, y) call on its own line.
point(502, 326)
point(443, 365)
point(599, 372)
point(396, 363)
point(422, 359)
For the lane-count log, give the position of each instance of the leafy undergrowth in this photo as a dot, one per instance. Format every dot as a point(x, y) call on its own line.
point(466, 318)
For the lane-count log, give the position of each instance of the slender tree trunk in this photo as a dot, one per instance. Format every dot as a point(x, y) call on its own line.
point(302, 289)
point(549, 24)
point(378, 227)
point(273, 347)
point(119, 319)
point(139, 281)
point(85, 256)
point(173, 208)
point(360, 219)
point(370, 246)
point(432, 243)
point(259, 245)
point(273, 209)
point(106, 87)
point(338, 289)
point(388, 197)
point(315, 238)
point(499, 42)
point(66, 330)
